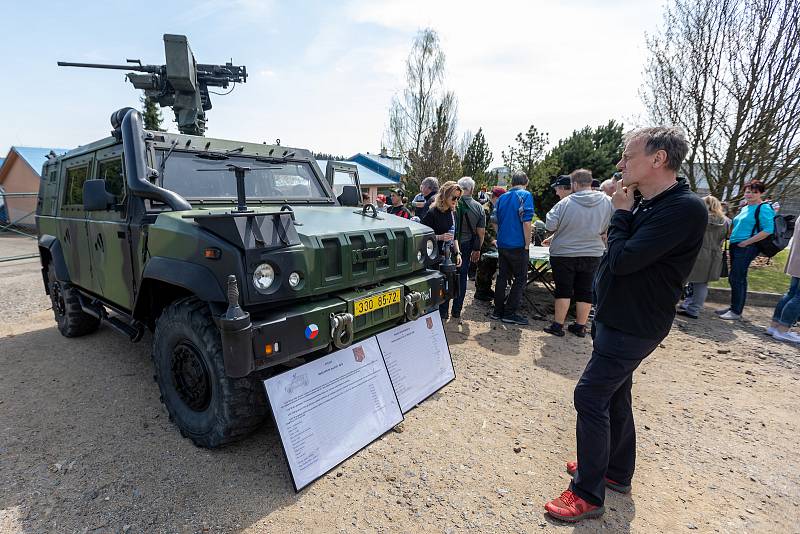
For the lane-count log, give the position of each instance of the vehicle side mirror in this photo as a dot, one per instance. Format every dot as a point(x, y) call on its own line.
point(95, 196)
point(350, 196)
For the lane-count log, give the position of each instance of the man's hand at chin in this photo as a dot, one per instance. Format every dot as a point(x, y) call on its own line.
point(623, 198)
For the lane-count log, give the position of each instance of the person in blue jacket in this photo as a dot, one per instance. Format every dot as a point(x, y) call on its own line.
point(743, 250)
point(514, 212)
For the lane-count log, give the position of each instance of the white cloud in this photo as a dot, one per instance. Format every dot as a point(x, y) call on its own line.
point(558, 65)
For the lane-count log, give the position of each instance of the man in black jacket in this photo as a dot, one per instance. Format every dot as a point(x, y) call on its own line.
point(653, 240)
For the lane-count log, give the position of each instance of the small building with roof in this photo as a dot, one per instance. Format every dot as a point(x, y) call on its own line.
point(19, 182)
point(378, 173)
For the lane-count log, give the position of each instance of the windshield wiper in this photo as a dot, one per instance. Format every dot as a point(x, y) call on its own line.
point(211, 155)
point(265, 159)
point(166, 157)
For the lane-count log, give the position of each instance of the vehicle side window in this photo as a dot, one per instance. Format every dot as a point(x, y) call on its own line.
point(73, 191)
point(341, 179)
point(110, 170)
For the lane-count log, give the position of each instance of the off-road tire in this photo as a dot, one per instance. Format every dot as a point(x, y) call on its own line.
point(71, 319)
point(233, 407)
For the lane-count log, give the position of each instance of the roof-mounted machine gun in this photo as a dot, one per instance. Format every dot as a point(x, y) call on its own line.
point(181, 84)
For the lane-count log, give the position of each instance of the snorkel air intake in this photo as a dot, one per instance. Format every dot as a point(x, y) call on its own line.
point(130, 130)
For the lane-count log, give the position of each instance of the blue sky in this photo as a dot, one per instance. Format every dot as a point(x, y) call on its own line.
point(322, 74)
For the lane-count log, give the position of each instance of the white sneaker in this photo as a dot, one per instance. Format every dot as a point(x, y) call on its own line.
point(787, 336)
point(722, 311)
point(730, 316)
point(771, 331)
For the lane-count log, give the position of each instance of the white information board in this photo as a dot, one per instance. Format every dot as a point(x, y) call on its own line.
point(331, 408)
point(418, 359)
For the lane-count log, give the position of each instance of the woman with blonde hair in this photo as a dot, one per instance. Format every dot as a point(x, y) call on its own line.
point(708, 266)
point(442, 220)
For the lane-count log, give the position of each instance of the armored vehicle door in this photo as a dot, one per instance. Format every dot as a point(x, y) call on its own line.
point(339, 174)
point(108, 233)
point(72, 221)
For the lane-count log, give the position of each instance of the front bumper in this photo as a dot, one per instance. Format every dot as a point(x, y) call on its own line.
point(304, 328)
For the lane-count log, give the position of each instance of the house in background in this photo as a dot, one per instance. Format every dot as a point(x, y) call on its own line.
point(371, 181)
point(386, 172)
point(376, 172)
point(20, 173)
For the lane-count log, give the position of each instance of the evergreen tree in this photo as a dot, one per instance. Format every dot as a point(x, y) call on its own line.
point(526, 154)
point(437, 155)
point(477, 159)
point(597, 149)
point(151, 114)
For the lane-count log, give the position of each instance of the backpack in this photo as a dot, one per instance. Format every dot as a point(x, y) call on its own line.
point(781, 235)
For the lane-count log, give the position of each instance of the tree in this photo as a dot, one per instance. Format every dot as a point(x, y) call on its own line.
point(411, 116)
point(437, 155)
point(527, 153)
point(728, 73)
point(151, 114)
point(477, 159)
point(327, 156)
point(597, 149)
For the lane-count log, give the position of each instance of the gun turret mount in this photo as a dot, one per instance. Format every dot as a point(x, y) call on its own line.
point(181, 83)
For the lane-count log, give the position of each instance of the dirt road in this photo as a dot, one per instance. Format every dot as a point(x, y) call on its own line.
point(85, 445)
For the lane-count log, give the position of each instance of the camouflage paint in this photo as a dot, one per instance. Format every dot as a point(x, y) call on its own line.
point(109, 250)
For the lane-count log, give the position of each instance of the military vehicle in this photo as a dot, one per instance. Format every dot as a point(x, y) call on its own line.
point(239, 257)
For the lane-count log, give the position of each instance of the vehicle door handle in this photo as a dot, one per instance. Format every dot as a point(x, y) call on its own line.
point(121, 235)
point(98, 244)
point(66, 235)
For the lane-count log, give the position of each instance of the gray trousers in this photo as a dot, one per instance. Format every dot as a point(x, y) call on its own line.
point(694, 303)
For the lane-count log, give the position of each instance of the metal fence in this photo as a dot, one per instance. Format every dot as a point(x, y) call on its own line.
point(12, 226)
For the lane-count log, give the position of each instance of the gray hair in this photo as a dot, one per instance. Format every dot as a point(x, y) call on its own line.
point(519, 178)
point(432, 182)
point(667, 138)
point(467, 184)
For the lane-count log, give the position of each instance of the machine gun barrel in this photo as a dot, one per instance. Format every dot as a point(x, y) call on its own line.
point(138, 68)
point(181, 83)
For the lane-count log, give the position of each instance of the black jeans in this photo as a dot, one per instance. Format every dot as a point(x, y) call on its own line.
point(513, 263)
point(605, 432)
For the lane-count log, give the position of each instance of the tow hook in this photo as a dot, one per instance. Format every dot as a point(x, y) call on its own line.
point(414, 305)
point(342, 329)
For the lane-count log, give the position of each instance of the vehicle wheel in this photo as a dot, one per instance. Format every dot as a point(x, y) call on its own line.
point(209, 407)
point(71, 319)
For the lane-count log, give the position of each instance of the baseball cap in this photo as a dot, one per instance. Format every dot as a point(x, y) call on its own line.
point(399, 192)
point(497, 191)
point(382, 198)
point(563, 181)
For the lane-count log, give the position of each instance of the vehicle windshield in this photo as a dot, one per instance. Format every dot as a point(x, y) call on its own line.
point(193, 176)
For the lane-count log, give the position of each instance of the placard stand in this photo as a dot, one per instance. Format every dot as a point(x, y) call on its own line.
point(329, 409)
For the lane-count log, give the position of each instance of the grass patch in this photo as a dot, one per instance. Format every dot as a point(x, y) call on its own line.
point(768, 278)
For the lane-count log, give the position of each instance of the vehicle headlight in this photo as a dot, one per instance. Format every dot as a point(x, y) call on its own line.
point(263, 276)
point(419, 256)
point(430, 249)
point(294, 279)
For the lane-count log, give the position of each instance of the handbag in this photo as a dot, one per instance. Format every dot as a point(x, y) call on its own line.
point(724, 271)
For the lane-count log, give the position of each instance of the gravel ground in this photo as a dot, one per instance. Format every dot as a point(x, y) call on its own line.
point(85, 445)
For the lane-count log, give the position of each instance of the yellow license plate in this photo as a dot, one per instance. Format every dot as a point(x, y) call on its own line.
point(376, 302)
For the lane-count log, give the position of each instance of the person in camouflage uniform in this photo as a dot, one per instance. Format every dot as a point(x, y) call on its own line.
point(487, 267)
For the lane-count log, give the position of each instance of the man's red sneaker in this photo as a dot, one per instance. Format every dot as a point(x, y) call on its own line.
point(610, 484)
point(569, 507)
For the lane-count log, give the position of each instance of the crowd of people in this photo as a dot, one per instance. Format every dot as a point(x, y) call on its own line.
point(626, 251)
point(489, 233)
